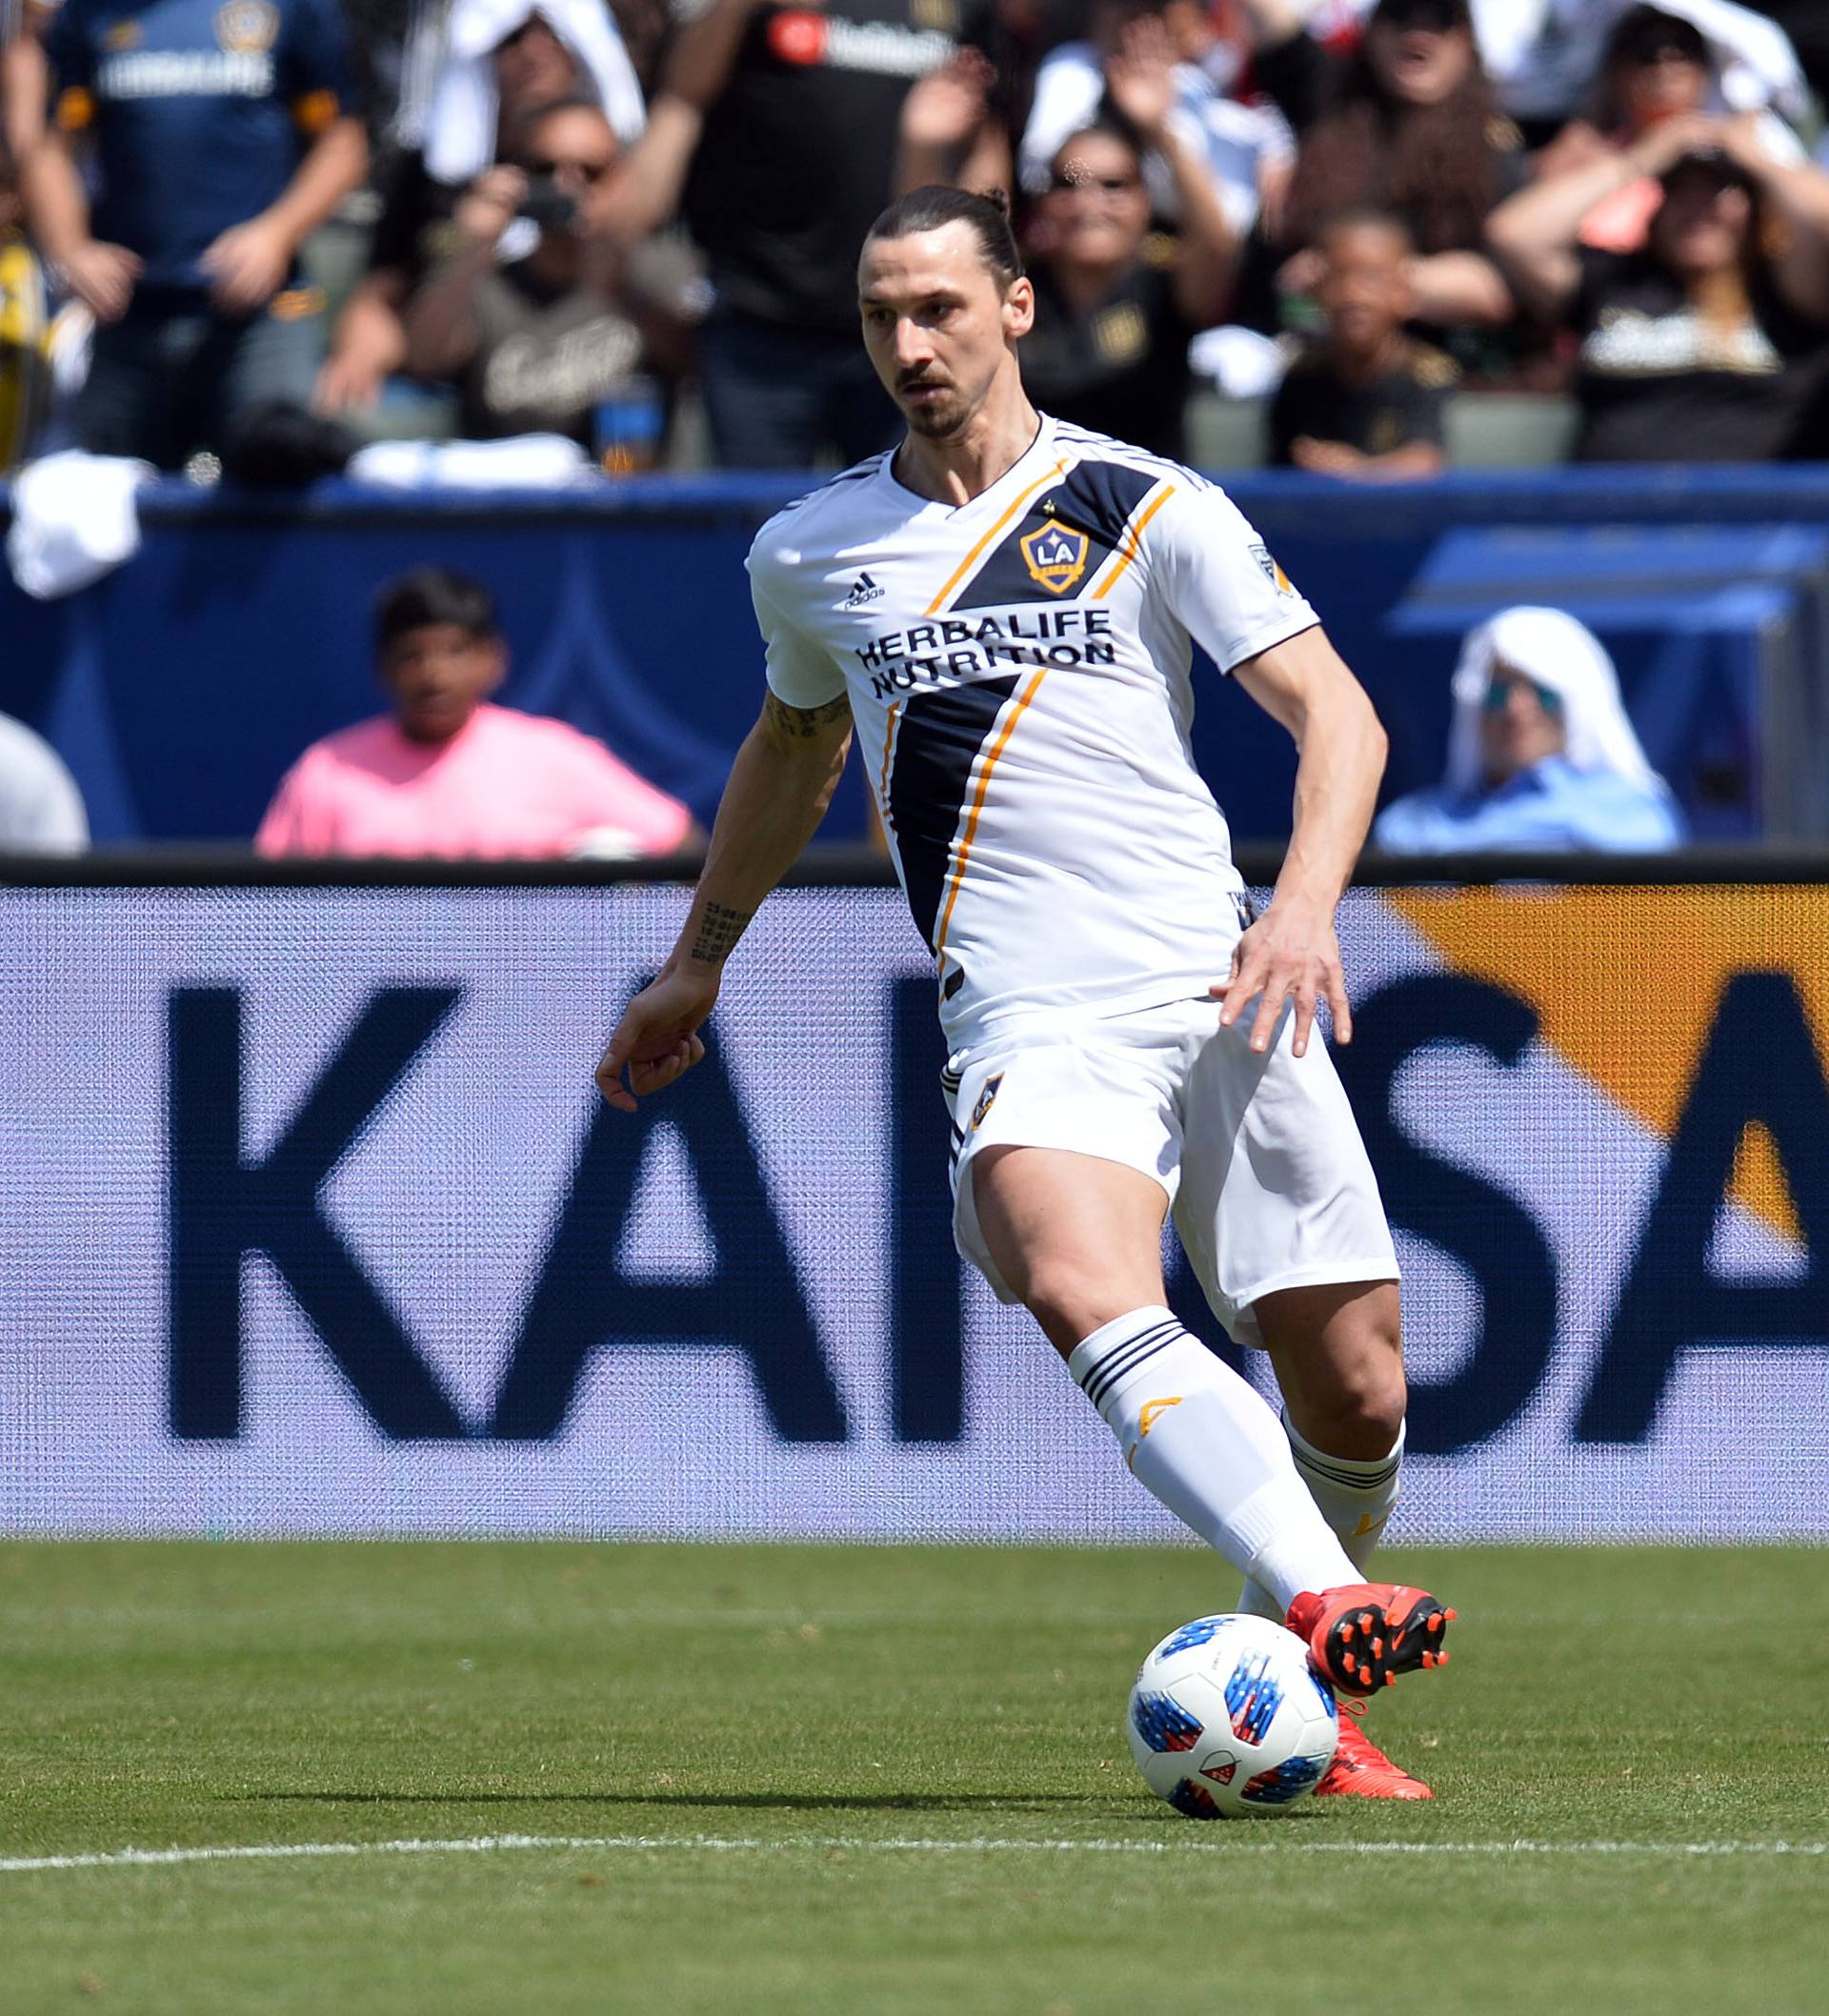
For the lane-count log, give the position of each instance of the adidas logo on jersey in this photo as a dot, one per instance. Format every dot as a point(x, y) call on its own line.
point(862, 590)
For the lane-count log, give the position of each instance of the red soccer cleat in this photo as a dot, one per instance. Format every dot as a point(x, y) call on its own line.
point(1361, 1770)
point(1361, 1635)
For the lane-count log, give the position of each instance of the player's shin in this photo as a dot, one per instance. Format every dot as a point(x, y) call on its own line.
point(1204, 1443)
point(1356, 1499)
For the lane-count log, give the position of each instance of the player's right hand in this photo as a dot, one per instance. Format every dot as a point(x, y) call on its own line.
point(658, 1037)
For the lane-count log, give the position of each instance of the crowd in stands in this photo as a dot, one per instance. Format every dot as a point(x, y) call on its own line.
point(262, 231)
point(246, 237)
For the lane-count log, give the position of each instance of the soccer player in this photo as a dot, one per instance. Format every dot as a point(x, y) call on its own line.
point(1000, 609)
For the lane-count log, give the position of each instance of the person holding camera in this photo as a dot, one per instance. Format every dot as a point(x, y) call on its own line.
point(585, 323)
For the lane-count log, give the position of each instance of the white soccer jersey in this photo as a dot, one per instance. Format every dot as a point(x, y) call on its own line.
point(1017, 668)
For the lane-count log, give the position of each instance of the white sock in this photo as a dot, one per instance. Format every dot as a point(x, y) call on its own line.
point(1356, 1499)
point(1202, 1442)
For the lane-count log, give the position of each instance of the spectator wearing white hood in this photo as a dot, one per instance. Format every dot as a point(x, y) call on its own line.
point(1541, 756)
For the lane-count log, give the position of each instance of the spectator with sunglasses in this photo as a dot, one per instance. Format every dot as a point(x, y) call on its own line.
point(538, 344)
point(1116, 306)
point(1541, 758)
point(1657, 67)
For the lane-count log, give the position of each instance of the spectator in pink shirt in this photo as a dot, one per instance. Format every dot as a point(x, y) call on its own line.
point(448, 772)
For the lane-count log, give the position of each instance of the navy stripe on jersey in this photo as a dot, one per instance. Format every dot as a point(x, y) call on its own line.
point(936, 745)
point(1090, 507)
point(1087, 442)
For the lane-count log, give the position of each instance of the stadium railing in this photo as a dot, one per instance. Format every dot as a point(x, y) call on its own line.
point(180, 688)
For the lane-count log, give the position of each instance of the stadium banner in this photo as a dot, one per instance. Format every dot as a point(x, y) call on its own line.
point(312, 1222)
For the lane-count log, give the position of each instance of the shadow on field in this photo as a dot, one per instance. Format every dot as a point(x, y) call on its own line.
point(761, 1802)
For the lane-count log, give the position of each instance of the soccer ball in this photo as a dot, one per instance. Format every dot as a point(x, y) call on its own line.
point(1227, 1718)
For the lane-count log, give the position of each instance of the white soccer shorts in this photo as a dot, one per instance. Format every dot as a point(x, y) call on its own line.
point(1259, 1155)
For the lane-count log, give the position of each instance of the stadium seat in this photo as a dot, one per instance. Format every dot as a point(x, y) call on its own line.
point(1496, 430)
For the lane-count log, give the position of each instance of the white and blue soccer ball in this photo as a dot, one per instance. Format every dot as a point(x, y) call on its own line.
point(1227, 1718)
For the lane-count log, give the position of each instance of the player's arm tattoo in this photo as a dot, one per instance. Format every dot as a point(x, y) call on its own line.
point(718, 931)
point(804, 723)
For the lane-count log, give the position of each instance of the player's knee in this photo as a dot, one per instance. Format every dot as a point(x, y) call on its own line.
point(1357, 1410)
point(1070, 1299)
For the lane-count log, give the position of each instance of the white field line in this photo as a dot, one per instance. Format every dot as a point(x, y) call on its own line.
point(870, 1845)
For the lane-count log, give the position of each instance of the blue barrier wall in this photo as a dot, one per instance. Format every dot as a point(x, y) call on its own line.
point(180, 688)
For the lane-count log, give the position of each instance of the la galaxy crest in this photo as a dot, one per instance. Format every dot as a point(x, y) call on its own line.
point(985, 1097)
point(247, 27)
point(1055, 555)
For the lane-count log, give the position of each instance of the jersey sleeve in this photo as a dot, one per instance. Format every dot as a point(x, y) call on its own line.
point(315, 66)
point(69, 60)
point(799, 672)
point(1220, 578)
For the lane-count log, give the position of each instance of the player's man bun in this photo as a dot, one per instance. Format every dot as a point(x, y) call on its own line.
point(987, 212)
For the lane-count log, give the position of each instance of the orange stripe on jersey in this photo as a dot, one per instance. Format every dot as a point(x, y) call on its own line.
point(888, 750)
point(977, 806)
point(1133, 544)
point(965, 565)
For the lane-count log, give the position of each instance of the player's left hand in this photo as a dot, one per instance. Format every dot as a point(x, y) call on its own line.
point(247, 266)
point(1291, 954)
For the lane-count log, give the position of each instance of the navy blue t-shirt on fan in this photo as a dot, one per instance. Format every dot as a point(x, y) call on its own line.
point(201, 111)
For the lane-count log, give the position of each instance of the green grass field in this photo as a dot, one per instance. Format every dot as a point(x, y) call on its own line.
point(810, 1779)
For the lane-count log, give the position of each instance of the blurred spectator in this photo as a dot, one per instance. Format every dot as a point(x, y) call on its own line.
point(448, 772)
point(1408, 123)
point(41, 810)
point(25, 329)
point(1367, 400)
point(1657, 67)
point(222, 139)
point(1540, 753)
point(1545, 56)
point(484, 41)
point(1711, 344)
point(1249, 147)
point(1114, 307)
point(538, 345)
point(527, 65)
point(799, 157)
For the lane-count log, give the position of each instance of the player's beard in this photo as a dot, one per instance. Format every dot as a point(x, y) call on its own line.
point(939, 417)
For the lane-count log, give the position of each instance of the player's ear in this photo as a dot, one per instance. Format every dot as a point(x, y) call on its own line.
point(1018, 309)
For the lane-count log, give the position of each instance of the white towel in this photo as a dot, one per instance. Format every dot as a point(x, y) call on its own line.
point(460, 122)
point(74, 520)
point(521, 462)
point(1551, 649)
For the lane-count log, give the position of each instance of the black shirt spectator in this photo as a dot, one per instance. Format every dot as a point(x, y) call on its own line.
point(798, 154)
point(1118, 366)
point(1400, 407)
point(1658, 379)
point(1366, 401)
point(538, 343)
point(1114, 306)
point(798, 160)
point(1710, 343)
